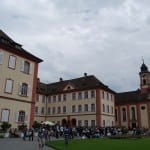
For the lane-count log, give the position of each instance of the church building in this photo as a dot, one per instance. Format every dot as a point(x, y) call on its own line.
point(132, 109)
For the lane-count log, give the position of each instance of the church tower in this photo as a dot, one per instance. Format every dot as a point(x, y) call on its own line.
point(144, 78)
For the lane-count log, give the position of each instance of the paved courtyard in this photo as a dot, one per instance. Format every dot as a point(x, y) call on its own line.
point(19, 144)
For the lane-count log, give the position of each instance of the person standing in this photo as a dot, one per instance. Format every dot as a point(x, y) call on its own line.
point(41, 139)
point(31, 134)
point(66, 135)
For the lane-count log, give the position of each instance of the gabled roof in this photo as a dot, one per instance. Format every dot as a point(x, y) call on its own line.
point(82, 83)
point(42, 88)
point(131, 97)
point(10, 45)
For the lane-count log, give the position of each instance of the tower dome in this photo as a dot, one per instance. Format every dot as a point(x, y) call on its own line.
point(144, 68)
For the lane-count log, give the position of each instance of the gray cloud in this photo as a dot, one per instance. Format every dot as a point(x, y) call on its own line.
point(104, 38)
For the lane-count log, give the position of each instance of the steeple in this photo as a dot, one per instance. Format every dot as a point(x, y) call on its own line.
point(144, 78)
point(144, 68)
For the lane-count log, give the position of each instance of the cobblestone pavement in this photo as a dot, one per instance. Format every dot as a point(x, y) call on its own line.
point(19, 144)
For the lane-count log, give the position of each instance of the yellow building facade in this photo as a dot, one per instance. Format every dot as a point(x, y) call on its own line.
point(83, 101)
point(18, 74)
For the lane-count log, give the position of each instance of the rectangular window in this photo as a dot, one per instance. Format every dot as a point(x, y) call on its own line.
point(93, 123)
point(107, 108)
point(124, 117)
point(54, 98)
point(86, 123)
point(21, 117)
point(49, 110)
point(64, 97)
point(24, 89)
point(5, 115)
point(116, 115)
point(79, 108)
point(86, 107)
point(64, 109)
point(42, 110)
point(12, 62)
point(93, 94)
point(92, 107)
point(49, 99)
point(107, 96)
point(26, 67)
point(73, 108)
point(1, 57)
point(58, 110)
point(86, 94)
point(103, 123)
point(9, 86)
point(103, 108)
point(111, 97)
point(80, 95)
point(112, 110)
point(103, 94)
point(73, 96)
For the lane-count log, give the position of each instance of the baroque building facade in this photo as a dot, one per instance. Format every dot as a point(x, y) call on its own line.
point(83, 101)
point(18, 82)
point(133, 107)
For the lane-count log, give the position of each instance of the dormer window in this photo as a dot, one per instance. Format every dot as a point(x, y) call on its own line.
point(68, 88)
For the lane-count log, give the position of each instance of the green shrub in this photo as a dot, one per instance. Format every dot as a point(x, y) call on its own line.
point(5, 126)
point(21, 127)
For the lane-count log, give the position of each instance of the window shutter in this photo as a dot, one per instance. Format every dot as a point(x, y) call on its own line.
point(20, 88)
point(28, 91)
point(1, 57)
point(31, 67)
point(16, 116)
point(26, 117)
point(22, 65)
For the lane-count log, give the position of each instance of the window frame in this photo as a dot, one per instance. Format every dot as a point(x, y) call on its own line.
point(6, 120)
point(26, 67)
point(86, 107)
point(92, 107)
point(11, 62)
point(21, 117)
point(24, 90)
point(1, 57)
point(9, 91)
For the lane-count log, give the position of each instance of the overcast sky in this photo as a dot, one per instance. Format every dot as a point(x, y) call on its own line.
point(105, 38)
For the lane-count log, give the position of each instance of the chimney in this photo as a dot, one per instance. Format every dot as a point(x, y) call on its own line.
point(85, 74)
point(60, 79)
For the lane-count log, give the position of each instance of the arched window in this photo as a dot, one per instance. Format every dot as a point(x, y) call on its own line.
point(133, 113)
point(116, 115)
point(124, 118)
point(144, 81)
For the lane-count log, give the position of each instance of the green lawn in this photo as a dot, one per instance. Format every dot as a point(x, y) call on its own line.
point(103, 144)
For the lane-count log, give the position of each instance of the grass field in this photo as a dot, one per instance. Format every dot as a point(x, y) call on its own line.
point(103, 144)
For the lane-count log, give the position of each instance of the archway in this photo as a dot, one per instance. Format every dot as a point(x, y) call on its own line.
point(64, 122)
point(73, 122)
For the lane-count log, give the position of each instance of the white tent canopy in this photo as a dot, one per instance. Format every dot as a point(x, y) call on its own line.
point(48, 123)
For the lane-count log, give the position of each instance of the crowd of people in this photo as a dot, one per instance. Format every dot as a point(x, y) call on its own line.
point(45, 133)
